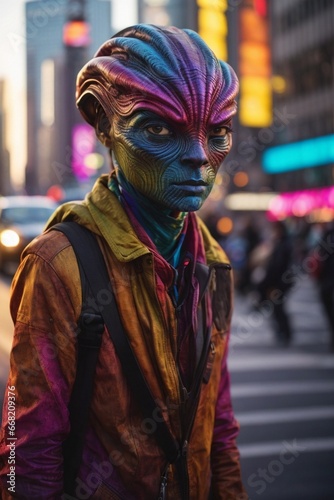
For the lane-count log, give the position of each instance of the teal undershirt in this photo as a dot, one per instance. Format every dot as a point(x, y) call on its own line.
point(164, 230)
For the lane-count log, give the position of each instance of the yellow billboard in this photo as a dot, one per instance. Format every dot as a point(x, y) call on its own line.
point(212, 25)
point(255, 104)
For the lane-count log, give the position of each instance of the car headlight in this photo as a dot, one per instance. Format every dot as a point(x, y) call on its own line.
point(9, 238)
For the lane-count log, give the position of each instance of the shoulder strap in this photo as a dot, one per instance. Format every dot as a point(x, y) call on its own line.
point(90, 329)
point(88, 252)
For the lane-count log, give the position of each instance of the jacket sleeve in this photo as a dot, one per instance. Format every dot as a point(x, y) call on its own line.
point(225, 464)
point(42, 369)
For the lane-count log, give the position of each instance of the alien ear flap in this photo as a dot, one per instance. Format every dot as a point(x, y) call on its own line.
point(102, 126)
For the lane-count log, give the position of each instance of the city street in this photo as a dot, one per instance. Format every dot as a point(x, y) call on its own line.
point(283, 398)
point(284, 401)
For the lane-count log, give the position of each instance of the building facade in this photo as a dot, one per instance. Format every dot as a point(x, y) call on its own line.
point(49, 143)
point(282, 162)
point(180, 13)
point(300, 160)
point(5, 181)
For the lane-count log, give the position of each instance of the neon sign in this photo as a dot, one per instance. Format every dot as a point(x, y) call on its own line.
point(300, 203)
point(297, 155)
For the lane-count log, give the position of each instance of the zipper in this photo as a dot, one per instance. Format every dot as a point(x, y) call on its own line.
point(189, 406)
point(187, 426)
point(163, 484)
point(184, 471)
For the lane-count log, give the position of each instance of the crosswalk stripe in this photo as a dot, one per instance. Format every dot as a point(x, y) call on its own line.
point(275, 360)
point(275, 388)
point(315, 335)
point(253, 450)
point(285, 415)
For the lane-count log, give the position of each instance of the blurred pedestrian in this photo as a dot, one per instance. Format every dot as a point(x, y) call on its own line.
point(161, 101)
point(250, 236)
point(323, 254)
point(270, 281)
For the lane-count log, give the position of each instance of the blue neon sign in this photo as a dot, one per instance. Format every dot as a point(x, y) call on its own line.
point(298, 155)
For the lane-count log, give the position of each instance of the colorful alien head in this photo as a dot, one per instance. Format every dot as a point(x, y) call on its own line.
point(168, 85)
point(164, 69)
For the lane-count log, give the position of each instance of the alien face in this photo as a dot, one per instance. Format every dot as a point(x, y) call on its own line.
point(173, 163)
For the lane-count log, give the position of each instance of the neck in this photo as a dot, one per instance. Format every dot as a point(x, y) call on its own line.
point(164, 226)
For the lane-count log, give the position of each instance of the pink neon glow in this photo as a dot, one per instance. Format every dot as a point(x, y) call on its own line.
point(83, 143)
point(300, 203)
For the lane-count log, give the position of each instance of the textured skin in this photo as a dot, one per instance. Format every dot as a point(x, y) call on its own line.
point(169, 101)
point(169, 71)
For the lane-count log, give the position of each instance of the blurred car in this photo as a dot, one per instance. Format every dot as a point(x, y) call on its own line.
point(22, 218)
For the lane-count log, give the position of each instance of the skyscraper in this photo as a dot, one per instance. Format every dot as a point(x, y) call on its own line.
point(5, 183)
point(49, 146)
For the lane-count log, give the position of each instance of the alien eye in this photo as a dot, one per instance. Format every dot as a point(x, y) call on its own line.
point(220, 131)
point(158, 130)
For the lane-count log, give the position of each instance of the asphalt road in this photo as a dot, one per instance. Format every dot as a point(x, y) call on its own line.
point(284, 401)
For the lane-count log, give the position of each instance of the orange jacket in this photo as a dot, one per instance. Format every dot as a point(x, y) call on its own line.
point(121, 459)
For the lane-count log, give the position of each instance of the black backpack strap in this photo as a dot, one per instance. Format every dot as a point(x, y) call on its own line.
point(88, 252)
point(89, 338)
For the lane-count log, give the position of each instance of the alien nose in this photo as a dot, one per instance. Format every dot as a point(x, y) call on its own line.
point(194, 156)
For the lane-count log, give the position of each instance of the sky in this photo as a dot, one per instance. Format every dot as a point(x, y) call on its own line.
point(12, 69)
